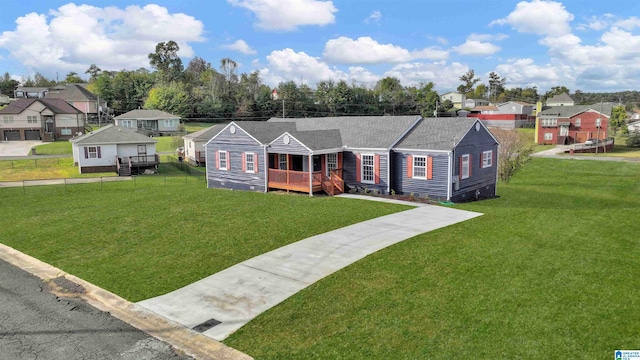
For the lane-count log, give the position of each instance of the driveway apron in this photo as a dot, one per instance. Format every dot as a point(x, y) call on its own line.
point(222, 303)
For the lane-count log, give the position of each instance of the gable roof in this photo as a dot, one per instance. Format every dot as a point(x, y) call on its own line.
point(57, 106)
point(360, 132)
point(145, 114)
point(205, 134)
point(560, 98)
point(265, 132)
point(72, 92)
point(569, 111)
point(438, 133)
point(486, 108)
point(318, 139)
point(523, 103)
point(112, 134)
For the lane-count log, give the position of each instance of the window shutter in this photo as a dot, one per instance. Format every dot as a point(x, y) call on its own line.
point(244, 162)
point(429, 167)
point(99, 153)
point(228, 161)
point(339, 160)
point(376, 168)
point(409, 166)
point(255, 163)
point(493, 157)
point(217, 160)
point(358, 168)
point(481, 162)
point(86, 152)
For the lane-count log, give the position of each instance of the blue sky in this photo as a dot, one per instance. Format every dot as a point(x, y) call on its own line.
point(586, 45)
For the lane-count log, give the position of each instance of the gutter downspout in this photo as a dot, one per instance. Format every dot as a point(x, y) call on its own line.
point(266, 168)
point(450, 176)
point(310, 161)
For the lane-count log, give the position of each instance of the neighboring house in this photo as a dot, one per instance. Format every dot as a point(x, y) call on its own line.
point(472, 103)
point(508, 115)
point(78, 96)
point(26, 92)
point(194, 150)
point(150, 122)
point(444, 158)
point(633, 127)
point(40, 119)
point(573, 124)
point(4, 100)
point(114, 148)
point(560, 100)
point(456, 98)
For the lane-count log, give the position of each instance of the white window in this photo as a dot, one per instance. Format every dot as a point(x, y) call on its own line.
point(169, 123)
point(65, 131)
point(93, 152)
point(222, 160)
point(8, 119)
point(578, 122)
point(564, 130)
point(420, 167)
point(549, 122)
point(282, 161)
point(487, 159)
point(126, 123)
point(332, 163)
point(368, 169)
point(548, 136)
point(464, 166)
point(32, 119)
point(248, 161)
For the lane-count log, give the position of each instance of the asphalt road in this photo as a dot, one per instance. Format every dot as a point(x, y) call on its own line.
point(36, 324)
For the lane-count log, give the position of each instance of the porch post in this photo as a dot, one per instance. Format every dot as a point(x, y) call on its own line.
point(310, 161)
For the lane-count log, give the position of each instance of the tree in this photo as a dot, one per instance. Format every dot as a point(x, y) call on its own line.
point(389, 91)
point(469, 80)
point(73, 78)
point(513, 153)
point(496, 85)
point(93, 72)
point(228, 68)
point(8, 85)
point(556, 90)
point(166, 61)
point(172, 98)
point(427, 99)
point(618, 117)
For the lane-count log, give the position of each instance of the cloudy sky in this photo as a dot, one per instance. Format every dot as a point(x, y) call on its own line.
point(590, 45)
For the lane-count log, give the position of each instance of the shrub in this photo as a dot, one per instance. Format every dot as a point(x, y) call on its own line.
point(633, 140)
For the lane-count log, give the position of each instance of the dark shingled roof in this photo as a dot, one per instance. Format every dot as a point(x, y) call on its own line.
point(319, 139)
point(57, 106)
point(560, 98)
point(206, 134)
point(569, 111)
point(437, 133)
point(73, 92)
point(112, 134)
point(359, 132)
point(265, 132)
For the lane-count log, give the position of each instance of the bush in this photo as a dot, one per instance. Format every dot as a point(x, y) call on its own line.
point(633, 140)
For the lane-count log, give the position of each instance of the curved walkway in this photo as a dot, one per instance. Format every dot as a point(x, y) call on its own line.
point(224, 302)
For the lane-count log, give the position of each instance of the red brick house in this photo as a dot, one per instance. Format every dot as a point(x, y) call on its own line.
point(573, 124)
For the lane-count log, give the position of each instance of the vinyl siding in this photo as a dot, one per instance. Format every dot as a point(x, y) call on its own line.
point(482, 180)
point(234, 178)
point(349, 171)
point(294, 147)
point(436, 187)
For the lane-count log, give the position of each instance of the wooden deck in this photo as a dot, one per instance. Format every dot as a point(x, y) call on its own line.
point(127, 166)
point(299, 181)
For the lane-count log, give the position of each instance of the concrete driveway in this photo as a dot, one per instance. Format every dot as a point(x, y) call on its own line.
point(17, 148)
point(222, 303)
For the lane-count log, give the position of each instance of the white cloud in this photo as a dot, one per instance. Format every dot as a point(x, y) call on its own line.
point(597, 23)
point(374, 18)
point(474, 47)
point(241, 46)
point(487, 37)
point(112, 37)
point(363, 76)
point(538, 17)
point(366, 50)
point(287, 65)
point(287, 15)
point(445, 76)
point(525, 73)
point(629, 24)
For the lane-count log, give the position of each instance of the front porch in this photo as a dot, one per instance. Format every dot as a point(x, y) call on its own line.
point(307, 174)
point(127, 166)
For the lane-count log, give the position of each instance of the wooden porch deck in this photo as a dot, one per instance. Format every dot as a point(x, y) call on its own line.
point(299, 181)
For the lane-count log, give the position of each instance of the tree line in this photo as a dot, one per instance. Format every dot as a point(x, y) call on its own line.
point(206, 93)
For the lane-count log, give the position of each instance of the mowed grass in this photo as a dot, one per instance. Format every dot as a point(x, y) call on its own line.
point(61, 147)
point(145, 241)
point(42, 168)
point(549, 272)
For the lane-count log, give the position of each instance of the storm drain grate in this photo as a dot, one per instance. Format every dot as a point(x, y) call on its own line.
point(206, 325)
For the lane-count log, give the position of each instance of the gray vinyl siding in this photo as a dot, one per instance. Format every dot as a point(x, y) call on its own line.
point(349, 171)
point(434, 188)
point(294, 147)
point(481, 180)
point(234, 178)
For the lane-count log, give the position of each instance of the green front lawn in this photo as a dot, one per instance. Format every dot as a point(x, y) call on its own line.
point(549, 272)
point(140, 240)
point(60, 147)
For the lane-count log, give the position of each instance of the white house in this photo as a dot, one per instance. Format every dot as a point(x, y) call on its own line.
point(633, 127)
point(194, 150)
point(515, 107)
point(150, 122)
point(114, 148)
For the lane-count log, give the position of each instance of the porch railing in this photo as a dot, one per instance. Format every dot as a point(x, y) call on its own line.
point(294, 180)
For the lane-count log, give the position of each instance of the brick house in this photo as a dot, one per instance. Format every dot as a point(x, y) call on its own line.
point(573, 124)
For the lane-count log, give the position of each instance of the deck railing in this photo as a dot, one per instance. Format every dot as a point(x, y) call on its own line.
point(294, 180)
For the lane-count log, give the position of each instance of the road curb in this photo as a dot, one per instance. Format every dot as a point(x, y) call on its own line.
point(181, 338)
